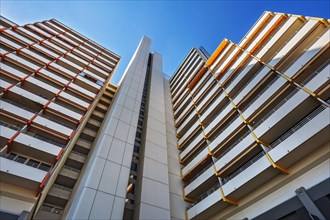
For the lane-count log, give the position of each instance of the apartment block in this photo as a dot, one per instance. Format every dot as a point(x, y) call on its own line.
point(242, 133)
point(252, 123)
point(55, 92)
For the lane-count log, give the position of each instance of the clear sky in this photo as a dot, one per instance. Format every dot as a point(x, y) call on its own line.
point(174, 26)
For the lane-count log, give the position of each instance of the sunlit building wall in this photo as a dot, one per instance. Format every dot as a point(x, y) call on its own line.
point(252, 123)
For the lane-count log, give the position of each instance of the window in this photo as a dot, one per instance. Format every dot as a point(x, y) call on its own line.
point(11, 156)
point(136, 149)
point(44, 167)
point(33, 163)
point(134, 166)
point(20, 159)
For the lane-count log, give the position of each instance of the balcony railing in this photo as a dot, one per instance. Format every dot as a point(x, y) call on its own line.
point(261, 92)
point(292, 93)
point(244, 167)
point(311, 76)
point(299, 125)
point(204, 195)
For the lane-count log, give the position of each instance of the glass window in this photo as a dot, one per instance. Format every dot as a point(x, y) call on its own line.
point(136, 149)
point(46, 208)
point(134, 166)
point(20, 159)
point(33, 163)
point(44, 167)
point(11, 156)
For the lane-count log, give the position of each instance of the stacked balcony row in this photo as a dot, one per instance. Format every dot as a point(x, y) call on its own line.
point(253, 92)
point(50, 78)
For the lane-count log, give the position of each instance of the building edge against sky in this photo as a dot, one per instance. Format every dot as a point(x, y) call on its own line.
point(242, 133)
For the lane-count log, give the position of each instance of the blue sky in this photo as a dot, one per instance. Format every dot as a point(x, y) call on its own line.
point(174, 26)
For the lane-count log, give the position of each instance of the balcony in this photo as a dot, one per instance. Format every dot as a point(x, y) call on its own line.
point(303, 138)
point(296, 45)
point(88, 134)
point(97, 115)
point(209, 205)
point(222, 57)
point(194, 69)
point(215, 107)
point(243, 77)
point(252, 84)
point(291, 147)
point(20, 175)
point(22, 62)
point(179, 72)
point(202, 156)
point(274, 87)
point(285, 116)
point(67, 177)
point(201, 184)
point(76, 160)
point(47, 52)
point(226, 132)
point(205, 88)
point(182, 105)
point(82, 146)
point(201, 82)
point(241, 59)
point(187, 122)
point(53, 47)
point(218, 119)
point(184, 113)
point(58, 195)
point(189, 134)
point(309, 54)
point(208, 97)
point(193, 146)
point(30, 146)
point(228, 60)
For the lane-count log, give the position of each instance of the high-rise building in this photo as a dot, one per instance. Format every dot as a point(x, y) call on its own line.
point(55, 92)
point(240, 134)
point(253, 123)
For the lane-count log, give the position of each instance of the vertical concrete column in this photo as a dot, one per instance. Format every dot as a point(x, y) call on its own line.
point(102, 190)
point(178, 205)
point(154, 202)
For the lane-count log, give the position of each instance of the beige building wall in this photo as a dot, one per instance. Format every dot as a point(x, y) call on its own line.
point(102, 192)
point(177, 204)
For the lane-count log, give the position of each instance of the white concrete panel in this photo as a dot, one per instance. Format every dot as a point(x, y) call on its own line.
point(122, 131)
point(126, 115)
point(153, 123)
point(128, 155)
point(122, 182)
point(131, 134)
point(118, 208)
point(155, 170)
point(110, 126)
point(154, 136)
point(175, 184)
point(152, 213)
point(116, 152)
point(109, 178)
point(102, 206)
point(156, 152)
point(84, 205)
point(104, 145)
point(94, 174)
point(173, 166)
point(155, 193)
point(129, 102)
point(177, 207)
